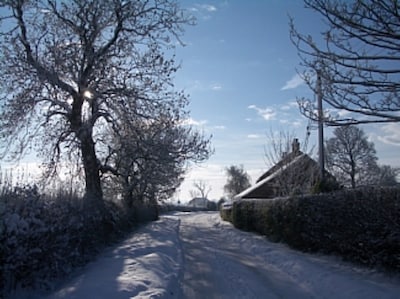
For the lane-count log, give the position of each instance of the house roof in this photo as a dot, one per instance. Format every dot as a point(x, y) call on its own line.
point(296, 171)
point(198, 201)
point(285, 161)
point(264, 185)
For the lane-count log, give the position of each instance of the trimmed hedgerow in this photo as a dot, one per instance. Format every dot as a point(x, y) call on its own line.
point(226, 212)
point(43, 239)
point(361, 225)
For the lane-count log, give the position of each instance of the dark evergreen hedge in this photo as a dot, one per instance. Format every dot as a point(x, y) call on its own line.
point(361, 225)
point(226, 212)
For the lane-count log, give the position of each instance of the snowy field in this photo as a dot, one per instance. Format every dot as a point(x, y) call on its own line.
point(197, 255)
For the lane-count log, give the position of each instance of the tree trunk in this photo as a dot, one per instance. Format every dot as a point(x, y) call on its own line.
point(83, 131)
point(353, 174)
point(127, 193)
point(93, 189)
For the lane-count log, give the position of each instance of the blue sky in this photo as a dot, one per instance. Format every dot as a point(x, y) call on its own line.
point(239, 67)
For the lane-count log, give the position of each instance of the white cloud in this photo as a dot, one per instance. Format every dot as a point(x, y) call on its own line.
point(343, 113)
point(290, 105)
point(204, 10)
point(266, 113)
point(216, 87)
point(208, 7)
point(220, 127)
point(336, 113)
point(392, 134)
point(253, 136)
point(296, 81)
point(294, 123)
point(297, 123)
point(192, 122)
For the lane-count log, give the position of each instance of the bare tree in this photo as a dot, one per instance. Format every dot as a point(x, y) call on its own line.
point(237, 180)
point(73, 68)
point(351, 157)
point(387, 175)
point(201, 189)
point(149, 159)
point(358, 63)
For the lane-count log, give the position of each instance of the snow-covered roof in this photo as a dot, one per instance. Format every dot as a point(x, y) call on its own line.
point(277, 171)
point(198, 201)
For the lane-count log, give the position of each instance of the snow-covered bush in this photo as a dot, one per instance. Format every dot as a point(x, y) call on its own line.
point(226, 212)
point(362, 225)
point(44, 238)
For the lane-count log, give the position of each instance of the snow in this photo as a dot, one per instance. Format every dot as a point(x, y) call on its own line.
point(146, 265)
point(197, 255)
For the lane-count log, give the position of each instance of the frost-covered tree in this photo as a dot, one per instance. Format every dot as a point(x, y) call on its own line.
point(71, 70)
point(149, 158)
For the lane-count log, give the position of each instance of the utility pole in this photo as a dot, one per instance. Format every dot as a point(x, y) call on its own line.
point(321, 155)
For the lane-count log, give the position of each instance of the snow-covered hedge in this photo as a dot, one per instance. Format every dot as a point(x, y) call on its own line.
point(226, 212)
point(362, 225)
point(43, 238)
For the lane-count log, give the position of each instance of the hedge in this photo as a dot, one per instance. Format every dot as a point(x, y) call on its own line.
point(43, 239)
point(361, 225)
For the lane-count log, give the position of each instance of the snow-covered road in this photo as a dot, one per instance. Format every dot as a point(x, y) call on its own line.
point(219, 266)
point(222, 262)
point(197, 255)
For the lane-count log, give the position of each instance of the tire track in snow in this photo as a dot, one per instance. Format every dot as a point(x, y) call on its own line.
point(216, 267)
point(223, 262)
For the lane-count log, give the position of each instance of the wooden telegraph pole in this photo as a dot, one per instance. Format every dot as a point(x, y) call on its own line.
point(321, 154)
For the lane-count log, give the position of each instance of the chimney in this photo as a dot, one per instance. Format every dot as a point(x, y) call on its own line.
point(295, 146)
